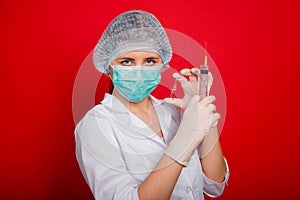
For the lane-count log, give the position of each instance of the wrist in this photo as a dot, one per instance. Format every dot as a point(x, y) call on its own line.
point(183, 146)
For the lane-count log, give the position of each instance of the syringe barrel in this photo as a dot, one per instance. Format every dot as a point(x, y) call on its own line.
point(203, 84)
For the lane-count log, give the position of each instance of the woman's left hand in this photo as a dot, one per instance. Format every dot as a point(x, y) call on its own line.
point(190, 88)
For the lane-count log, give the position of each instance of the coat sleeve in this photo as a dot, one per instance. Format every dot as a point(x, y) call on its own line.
point(212, 188)
point(100, 161)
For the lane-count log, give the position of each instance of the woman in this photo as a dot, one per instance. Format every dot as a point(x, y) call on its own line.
point(134, 146)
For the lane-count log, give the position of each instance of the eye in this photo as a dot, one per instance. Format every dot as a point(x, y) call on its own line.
point(126, 62)
point(150, 61)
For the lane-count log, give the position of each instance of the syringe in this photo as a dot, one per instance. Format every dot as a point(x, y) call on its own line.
point(203, 83)
point(173, 90)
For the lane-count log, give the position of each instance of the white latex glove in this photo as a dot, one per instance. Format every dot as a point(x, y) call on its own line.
point(197, 119)
point(190, 88)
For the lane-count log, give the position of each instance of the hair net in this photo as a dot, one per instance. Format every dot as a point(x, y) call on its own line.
point(131, 31)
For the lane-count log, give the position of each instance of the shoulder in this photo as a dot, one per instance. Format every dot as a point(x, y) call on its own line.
point(96, 123)
point(95, 139)
point(98, 112)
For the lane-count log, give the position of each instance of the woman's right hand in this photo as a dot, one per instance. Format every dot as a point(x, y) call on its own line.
point(190, 87)
point(198, 118)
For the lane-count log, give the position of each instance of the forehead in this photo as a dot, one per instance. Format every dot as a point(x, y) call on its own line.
point(139, 54)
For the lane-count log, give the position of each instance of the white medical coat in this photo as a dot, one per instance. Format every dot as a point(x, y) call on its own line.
point(116, 151)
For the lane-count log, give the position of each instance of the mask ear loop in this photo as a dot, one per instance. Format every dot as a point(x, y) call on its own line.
point(164, 67)
point(110, 72)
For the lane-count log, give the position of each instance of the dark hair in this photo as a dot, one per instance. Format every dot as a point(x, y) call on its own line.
point(111, 87)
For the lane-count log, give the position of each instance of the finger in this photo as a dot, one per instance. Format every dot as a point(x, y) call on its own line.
point(195, 71)
point(211, 107)
point(207, 100)
point(190, 74)
point(177, 75)
point(185, 72)
point(195, 74)
point(210, 77)
point(210, 81)
point(181, 79)
point(174, 101)
point(214, 120)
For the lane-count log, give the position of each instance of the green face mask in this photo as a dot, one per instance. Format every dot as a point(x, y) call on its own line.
point(135, 83)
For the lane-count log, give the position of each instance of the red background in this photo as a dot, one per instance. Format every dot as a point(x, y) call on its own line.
point(254, 44)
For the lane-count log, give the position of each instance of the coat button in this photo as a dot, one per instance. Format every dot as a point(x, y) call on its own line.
point(188, 190)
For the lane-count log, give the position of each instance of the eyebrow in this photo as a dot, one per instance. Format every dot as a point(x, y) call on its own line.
point(153, 57)
point(124, 58)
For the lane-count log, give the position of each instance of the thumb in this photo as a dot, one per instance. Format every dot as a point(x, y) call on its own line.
point(194, 100)
point(210, 82)
point(175, 101)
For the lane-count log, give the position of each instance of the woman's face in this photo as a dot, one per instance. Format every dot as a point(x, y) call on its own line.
point(137, 58)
